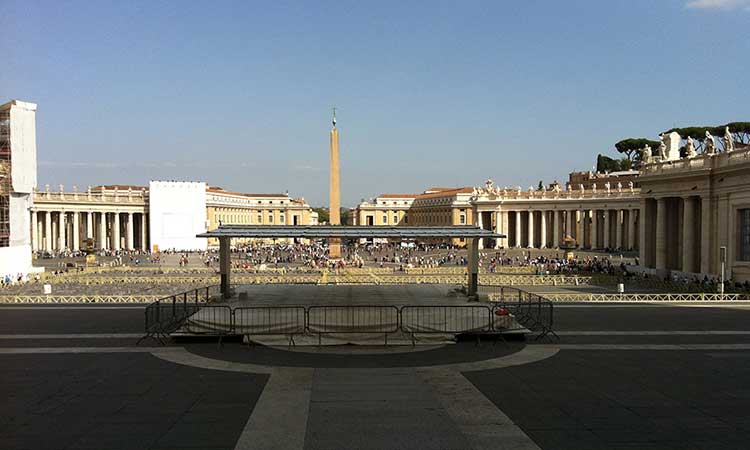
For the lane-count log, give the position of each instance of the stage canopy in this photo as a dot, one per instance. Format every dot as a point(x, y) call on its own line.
point(225, 233)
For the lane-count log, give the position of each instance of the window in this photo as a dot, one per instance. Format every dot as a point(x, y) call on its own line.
point(281, 218)
point(744, 234)
point(462, 219)
point(270, 218)
point(385, 218)
point(260, 218)
point(395, 218)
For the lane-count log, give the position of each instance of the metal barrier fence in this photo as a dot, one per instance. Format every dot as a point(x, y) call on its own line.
point(531, 310)
point(165, 317)
point(169, 314)
point(641, 297)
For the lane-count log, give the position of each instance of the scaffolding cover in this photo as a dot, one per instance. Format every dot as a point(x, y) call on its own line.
point(23, 146)
point(20, 222)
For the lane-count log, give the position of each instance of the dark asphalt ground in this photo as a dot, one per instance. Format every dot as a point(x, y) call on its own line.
point(609, 398)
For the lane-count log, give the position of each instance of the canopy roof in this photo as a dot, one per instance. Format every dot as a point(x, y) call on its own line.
point(346, 231)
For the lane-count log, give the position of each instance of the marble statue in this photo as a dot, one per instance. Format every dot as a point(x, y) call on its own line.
point(690, 148)
point(582, 189)
point(662, 148)
point(630, 185)
point(646, 155)
point(619, 186)
point(607, 186)
point(728, 141)
point(488, 185)
point(593, 188)
point(710, 144)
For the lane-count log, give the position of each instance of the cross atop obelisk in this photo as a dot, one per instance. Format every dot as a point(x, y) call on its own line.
point(334, 207)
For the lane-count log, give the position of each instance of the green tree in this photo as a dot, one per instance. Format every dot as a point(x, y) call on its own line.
point(630, 147)
point(323, 215)
point(607, 164)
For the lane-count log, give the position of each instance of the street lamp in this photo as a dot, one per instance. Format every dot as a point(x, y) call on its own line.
point(723, 259)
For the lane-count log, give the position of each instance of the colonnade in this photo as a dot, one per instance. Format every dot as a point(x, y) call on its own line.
point(590, 228)
point(676, 233)
point(68, 230)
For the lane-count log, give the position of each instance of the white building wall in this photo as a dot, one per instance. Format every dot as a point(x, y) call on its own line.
point(16, 258)
point(177, 213)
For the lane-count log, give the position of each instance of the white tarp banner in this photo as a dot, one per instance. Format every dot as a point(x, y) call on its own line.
point(23, 146)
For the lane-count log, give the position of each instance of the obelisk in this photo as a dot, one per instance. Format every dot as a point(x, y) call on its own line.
point(334, 198)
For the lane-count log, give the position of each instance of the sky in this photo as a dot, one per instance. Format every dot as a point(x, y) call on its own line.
point(428, 93)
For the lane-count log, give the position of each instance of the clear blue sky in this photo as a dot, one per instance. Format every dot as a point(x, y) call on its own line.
point(238, 94)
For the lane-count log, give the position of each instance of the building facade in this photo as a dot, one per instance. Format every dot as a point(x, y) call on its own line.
point(692, 208)
point(166, 215)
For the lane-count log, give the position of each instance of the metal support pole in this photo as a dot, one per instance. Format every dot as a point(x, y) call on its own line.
point(224, 266)
point(473, 269)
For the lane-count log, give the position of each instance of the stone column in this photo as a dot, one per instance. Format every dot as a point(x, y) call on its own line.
point(631, 229)
point(619, 224)
point(706, 235)
point(480, 224)
point(661, 233)
point(89, 225)
point(688, 235)
point(543, 229)
point(518, 229)
point(606, 229)
point(498, 227)
point(48, 231)
point(62, 231)
point(594, 229)
point(116, 232)
point(581, 232)
point(144, 245)
point(76, 238)
point(103, 231)
point(129, 232)
point(531, 230)
point(642, 219)
point(571, 230)
point(556, 229)
point(34, 232)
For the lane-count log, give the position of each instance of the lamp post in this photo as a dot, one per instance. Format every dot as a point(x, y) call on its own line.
point(723, 259)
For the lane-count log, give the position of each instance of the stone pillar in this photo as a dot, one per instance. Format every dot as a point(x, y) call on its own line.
point(518, 229)
point(571, 229)
point(144, 244)
point(480, 224)
point(34, 232)
point(556, 229)
point(531, 230)
point(581, 232)
point(129, 232)
point(688, 235)
point(642, 219)
point(631, 229)
point(103, 231)
point(543, 229)
point(706, 235)
point(595, 229)
point(619, 223)
point(498, 227)
point(116, 232)
point(661, 233)
point(606, 229)
point(62, 229)
point(48, 231)
point(89, 225)
point(76, 238)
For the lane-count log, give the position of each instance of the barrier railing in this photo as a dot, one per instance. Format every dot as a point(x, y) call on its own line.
point(530, 310)
point(641, 297)
point(331, 319)
point(175, 313)
point(169, 314)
